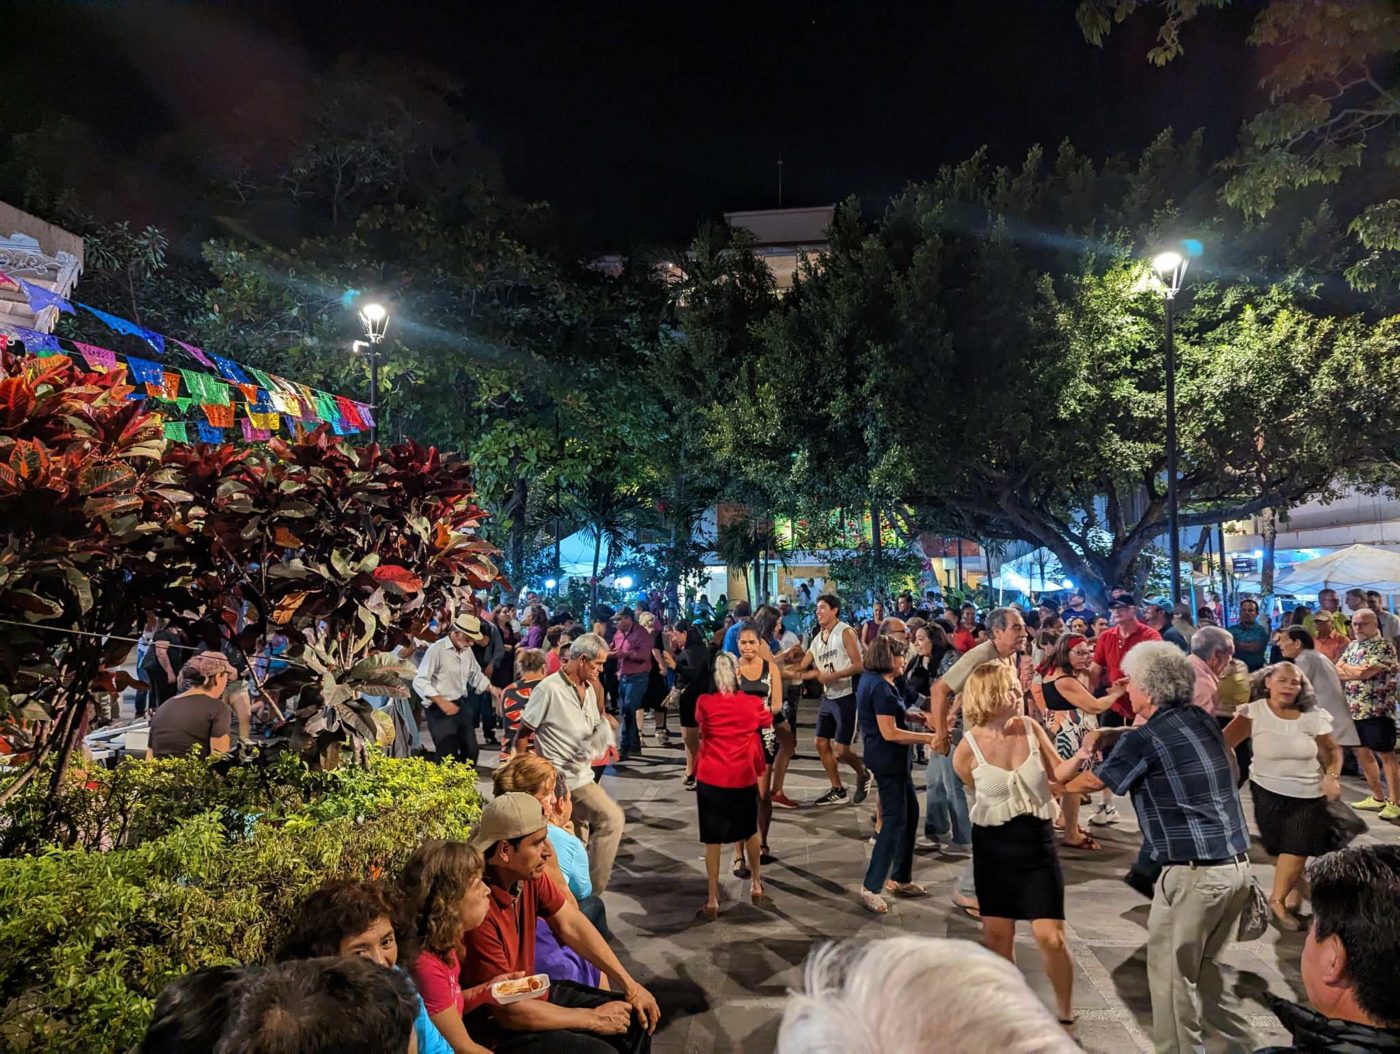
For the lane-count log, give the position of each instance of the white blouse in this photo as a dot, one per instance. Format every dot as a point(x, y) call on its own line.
point(1004, 794)
point(1285, 752)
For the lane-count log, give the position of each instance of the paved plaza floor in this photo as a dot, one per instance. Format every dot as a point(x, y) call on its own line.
point(722, 984)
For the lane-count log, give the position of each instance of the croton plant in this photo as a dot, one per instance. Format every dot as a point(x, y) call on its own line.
point(348, 551)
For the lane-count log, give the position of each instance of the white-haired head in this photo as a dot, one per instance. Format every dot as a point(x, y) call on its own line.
point(909, 995)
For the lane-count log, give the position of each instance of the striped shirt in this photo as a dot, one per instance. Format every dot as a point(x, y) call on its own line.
point(1177, 769)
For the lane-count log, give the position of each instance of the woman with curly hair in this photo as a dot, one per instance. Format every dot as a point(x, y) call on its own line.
point(442, 884)
point(367, 919)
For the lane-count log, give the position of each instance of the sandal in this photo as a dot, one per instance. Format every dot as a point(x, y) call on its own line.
point(1086, 843)
point(765, 857)
point(758, 898)
point(873, 902)
point(709, 913)
point(906, 889)
point(740, 869)
point(967, 906)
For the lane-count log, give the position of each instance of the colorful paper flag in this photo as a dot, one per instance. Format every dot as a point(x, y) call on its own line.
point(197, 354)
point(231, 370)
point(121, 325)
point(366, 415)
point(209, 434)
point(219, 416)
point(35, 343)
point(40, 298)
point(144, 371)
point(177, 431)
point(99, 359)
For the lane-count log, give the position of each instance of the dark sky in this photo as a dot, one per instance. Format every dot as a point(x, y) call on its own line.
point(637, 120)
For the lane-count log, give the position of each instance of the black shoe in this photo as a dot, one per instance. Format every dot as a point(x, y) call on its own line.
point(765, 857)
point(740, 869)
point(835, 796)
point(690, 783)
point(1140, 883)
point(862, 789)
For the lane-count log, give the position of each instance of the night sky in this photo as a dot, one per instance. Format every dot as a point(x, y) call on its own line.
point(636, 121)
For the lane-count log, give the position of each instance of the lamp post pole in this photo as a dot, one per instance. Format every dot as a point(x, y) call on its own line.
point(375, 319)
point(1174, 542)
point(1171, 269)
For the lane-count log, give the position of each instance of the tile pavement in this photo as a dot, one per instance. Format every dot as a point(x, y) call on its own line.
point(721, 985)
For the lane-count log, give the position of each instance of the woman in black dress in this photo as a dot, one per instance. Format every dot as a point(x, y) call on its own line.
point(689, 657)
point(759, 677)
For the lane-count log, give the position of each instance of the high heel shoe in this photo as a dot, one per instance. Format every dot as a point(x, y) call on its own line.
point(709, 912)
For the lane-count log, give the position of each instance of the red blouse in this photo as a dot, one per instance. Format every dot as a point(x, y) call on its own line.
point(731, 753)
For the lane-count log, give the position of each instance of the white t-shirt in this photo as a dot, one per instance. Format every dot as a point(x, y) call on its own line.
point(1285, 752)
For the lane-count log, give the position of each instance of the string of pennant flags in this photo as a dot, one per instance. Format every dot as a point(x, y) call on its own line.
point(269, 402)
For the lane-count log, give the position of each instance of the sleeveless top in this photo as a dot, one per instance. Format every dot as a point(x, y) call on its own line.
point(761, 687)
point(829, 652)
point(1004, 794)
point(1053, 699)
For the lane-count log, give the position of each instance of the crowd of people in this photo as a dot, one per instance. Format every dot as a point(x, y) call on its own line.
point(1020, 720)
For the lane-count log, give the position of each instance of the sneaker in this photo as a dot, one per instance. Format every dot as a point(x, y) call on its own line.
point(1390, 812)
point(1368, 803)
point(958, 848)
point(782, 801)
point(1105, 814)
point(835, 796)
point(925, 842)
point(862, 789)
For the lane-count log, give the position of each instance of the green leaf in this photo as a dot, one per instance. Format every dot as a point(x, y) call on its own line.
point(82, 587)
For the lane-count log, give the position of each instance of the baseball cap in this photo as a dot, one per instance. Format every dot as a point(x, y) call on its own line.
point(208, 663)
point(512, 815)
point(469, 624)
point(1124, 600)
point(1322, 616)
point(1161, 602)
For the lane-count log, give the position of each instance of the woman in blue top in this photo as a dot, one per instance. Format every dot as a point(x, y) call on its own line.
point(884, 724)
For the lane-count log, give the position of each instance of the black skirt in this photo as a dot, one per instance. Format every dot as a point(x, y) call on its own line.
point(1297, 826)
point(1017, 870)
point(727, 814)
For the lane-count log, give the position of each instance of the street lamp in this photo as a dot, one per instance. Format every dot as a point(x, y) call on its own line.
point(375, 319)
point(1171, 269)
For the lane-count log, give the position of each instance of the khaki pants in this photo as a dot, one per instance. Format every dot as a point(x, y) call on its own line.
point(1195, 911)
point(603, 818)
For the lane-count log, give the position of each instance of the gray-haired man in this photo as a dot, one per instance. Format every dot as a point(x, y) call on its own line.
point(565, 715)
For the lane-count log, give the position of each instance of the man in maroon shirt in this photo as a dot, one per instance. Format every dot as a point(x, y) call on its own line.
point(631, 645)
point(1126, 633)
point(512, 838)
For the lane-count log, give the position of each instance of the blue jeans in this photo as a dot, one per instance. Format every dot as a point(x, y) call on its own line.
point(945, 812)
point(631, 691)
point(893, 855)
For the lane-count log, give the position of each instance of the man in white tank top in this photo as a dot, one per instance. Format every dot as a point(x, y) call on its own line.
point(834, 660)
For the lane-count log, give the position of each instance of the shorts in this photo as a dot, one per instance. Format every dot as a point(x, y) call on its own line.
point(1376, 733)
point(837, 719)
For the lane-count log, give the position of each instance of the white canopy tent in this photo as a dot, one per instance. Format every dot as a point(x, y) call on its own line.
point(1355, 567)
point(1038, 571)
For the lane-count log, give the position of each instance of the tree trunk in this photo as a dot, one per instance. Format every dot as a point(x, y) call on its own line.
point(519, 499)
point(1266, 571)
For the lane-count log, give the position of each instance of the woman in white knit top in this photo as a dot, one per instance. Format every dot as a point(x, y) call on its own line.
point(1007, 758)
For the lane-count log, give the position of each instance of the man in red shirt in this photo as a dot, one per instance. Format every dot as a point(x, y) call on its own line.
point(1126, 633)
point(512, 838)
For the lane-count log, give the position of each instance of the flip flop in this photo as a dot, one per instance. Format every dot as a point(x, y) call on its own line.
point(1085, 843)
point(970, 910)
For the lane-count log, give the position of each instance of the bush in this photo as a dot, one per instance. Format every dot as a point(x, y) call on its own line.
point(210, 868)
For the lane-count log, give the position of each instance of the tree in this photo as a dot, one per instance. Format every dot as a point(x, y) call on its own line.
point(988, 354)
point(1333, 111)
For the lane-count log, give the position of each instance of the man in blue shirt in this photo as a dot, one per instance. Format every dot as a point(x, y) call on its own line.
point(1178, 771)
point(742, 611)
point(1251, 637)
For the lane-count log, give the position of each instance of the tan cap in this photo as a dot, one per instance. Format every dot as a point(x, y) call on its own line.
point(1322, 616)
point(208, 663)
point(512, 815)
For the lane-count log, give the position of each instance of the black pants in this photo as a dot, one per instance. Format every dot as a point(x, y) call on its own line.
point(454, 735)
point(565, 993)
point(485, 706)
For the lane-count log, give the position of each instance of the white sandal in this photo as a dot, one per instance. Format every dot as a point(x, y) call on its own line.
point(873, 902)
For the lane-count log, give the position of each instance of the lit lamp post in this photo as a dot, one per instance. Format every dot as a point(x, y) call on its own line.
point(1171, 269)
point(375, 319)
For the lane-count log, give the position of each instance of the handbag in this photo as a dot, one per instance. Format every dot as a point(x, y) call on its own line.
point(1345, 824)
point(1254, 919)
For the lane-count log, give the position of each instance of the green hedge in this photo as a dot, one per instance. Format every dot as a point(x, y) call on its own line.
point(213, 866)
